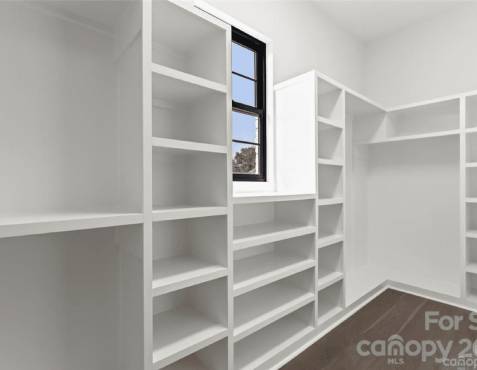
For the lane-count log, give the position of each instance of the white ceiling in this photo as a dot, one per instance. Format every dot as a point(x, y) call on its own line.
point(370, 20)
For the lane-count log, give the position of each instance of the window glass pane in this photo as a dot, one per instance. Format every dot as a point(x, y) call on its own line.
point(243, 90)
point(243, 60)
point(244, 127)
point(245, 158)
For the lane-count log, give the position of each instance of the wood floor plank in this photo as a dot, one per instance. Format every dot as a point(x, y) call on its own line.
point(390, 313)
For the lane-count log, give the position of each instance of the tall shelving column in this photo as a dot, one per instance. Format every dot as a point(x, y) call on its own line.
point(468, 119)
point(330, 123)
point(188, 93)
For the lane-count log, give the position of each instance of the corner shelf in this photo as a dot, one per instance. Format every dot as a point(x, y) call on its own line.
point(176, 213)
point(32, 224)
point(254, 272)
point(172, 144)
point(255, 310)
point(182, 331)
point(175, 273)
point(329, 315)
point(258, 234)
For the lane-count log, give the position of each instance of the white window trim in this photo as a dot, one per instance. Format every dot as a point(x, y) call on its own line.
point(240, 187)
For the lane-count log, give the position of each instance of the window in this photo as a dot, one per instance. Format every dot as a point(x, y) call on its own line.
point(249, 160)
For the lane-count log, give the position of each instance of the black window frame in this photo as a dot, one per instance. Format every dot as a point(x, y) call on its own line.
point(259, 47)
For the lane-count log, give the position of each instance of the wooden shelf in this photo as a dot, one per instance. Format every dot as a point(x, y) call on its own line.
point(331, 162)
point(329, 122)
point(328, 278)
point(258, 234)
point(328, 315)
point(175, 273)
point(31, 224)
point(250, 198)
point(181, 332)
point(330, 201)
point(187, 78)
point(329, 240)
point(176, 213)
point(429, 135)
point(172, 144)
point(256, 349)
point(257, 271)
point(255, 310)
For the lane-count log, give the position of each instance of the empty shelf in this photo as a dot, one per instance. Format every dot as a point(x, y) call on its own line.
point(248, 198)
point(172, 144)
point(471, 234)
point(331, 239)
point(254, 272)
point(257, 234)
point(471, 200)
point(330, 201)
point(471, 268)
point(181, 272)
point(187, 78)
point(255, 350)
point(429, 135)
point(188, 363)
point(330, 162)
point(175, 213)
point(255, 310)
point(329, 122)
point(327, 278)
point(31, 224)
point(329, 314)
point(180, 332)
point(471, 164)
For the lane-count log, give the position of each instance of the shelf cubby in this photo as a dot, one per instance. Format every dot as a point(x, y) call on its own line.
point(254, 350)
point(189, 320)
point(471, 183)
point(261, 223)
point(471, 211)
point(330, 102)
point(471, 111)
point(272, 262)
point(330, 221)
point(330, 301)
point(330, 182)
point(330, 265)
point(471, 285)
point(213, 357)
point(188, 252)
point(471, 147)
point(259, 308)
point(188, 41)
point(471, 249)
point(188, 109)
point(185, 179)
point(330, 143)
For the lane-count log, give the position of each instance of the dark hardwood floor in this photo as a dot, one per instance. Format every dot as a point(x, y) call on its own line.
point(392, 313)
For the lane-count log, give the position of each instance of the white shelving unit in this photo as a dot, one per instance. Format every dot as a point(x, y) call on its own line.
point(191, 188)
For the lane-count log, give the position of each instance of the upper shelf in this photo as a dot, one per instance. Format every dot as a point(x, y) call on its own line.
point(429, 135)
point(248, 198)
point(31, 224)
point(184, 145)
